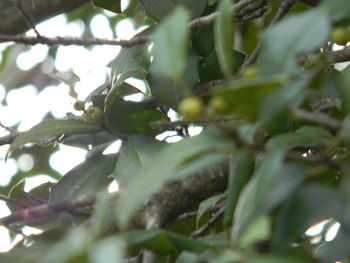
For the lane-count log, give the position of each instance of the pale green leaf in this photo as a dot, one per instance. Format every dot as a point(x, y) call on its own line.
point(224, 36)
point(170, 44)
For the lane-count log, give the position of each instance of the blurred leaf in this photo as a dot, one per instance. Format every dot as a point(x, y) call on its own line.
point(108, 250)
point(88, 177)
point(67, 248)
point(258, 230)
point(228, 256)
point(311, 204)
point(344, 133)
point(48, 129)
point(168, 91)
point(130, 118)
point(283, 97)
point(244, 96)
point(111, 5)
point(209, 68)
point(162, 168)
point(297, 33)
point(170, 44)
point(103, 215)
point(134, 155)
point(343, 86)
point(160, 241)
point(337, 9)
point(224, 36)
point(280, 259)
point(255, 193)
point(207, 204)
point(158, 9)
point(241, 168)
point(335, 250)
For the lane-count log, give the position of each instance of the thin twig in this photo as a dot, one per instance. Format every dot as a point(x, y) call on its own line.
point(201, 231)
point(209, 19)
point(26, 17)
point(42, 211)
point(317, 117)
point(283, 10)
point(72, 41)
point(17, 203)
point(175, 124)
point(195, 213)
point(194, 24)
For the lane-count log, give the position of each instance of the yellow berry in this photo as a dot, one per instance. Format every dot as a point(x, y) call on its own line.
point(94, 115)
point(249, 72)
point(79, 105)
point(340, 36)
point(191, 108)
point(218, 104)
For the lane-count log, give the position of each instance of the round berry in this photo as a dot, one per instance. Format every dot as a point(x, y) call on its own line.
point(249, 72)
point(79, 105)
point(340, 36)
point(191, 108)
point(218, 105)
point(94, 115)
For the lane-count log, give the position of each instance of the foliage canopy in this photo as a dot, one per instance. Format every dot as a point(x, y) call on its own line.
point(271, 159)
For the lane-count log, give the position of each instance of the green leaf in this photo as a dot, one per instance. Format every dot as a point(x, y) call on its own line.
point(343, 84)
point(310, 205)
point(244, 96)
point(280, 259)
point(337, 9)
point(134, 155)
point(130, 62)
point(111, 5)
point(208, 203)
point(131, 118)
point(160, 241)
point(286, 96)
point(158, 9)
point(170, 44)
point(108, 250)
point(258, 230)
point(168, 91)
point(296, 34)
point(162, 169)
point(88, 177)
point(241, 168)
point(224, 36)
point(209, 68)
point(256, 192)
point(48, 129)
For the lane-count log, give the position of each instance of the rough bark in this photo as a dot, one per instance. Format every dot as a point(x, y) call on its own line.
point(13, 22)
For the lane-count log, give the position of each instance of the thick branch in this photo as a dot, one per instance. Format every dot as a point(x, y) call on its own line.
point(12, 21)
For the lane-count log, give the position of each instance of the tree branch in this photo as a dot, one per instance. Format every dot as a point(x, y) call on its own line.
point(13, 22)
point(43, 211)
point(194, 24)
